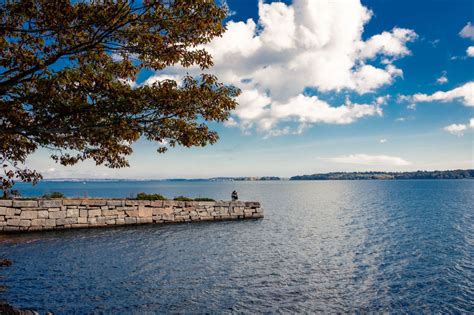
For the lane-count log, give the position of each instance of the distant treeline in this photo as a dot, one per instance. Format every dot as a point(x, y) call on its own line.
point(249, 178)
point(454, 174)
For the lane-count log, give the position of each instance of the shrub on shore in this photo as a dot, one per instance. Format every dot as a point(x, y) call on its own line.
point(203, 199)
point(183, 198)
point(144, 196)
point(54, 194)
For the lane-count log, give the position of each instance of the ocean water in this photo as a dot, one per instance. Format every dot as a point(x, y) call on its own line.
point(323, 246)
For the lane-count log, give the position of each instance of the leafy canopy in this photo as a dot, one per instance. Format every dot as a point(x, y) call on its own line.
point(65, 68)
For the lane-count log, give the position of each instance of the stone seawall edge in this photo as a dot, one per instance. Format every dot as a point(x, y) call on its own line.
point(20, 215)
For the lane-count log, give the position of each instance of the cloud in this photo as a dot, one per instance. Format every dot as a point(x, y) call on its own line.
point(161, 77)
point(443, 78)
point(230, 122)
point(459, 129)
point(369, 78)
point(308, 44)
point(230, 12)
point(458, 58)
point(435, 42)
point(411, 106)
point(456, 129)
point(375, 160)
point(389, 43)
point(470, 51)
point(464, 93)
point(255, 110)
point(302, 45)
point(383, 140)
point(382, 100)
point(467, 31)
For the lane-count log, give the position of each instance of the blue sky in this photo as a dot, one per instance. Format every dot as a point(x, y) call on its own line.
point(328, 86)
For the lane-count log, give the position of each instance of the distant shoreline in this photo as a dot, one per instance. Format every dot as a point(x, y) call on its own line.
point(372, 175)
point(452, 174)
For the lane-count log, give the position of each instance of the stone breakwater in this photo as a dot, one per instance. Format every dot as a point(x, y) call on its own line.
point(50, 214)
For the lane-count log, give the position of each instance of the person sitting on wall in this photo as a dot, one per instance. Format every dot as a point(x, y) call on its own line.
point(234, 196)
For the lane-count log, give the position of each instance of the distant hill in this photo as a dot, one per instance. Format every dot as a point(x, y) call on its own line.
point(454, 174)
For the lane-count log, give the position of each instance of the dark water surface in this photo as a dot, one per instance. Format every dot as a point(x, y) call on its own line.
point(323, 246)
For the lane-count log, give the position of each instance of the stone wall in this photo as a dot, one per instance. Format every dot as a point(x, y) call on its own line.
point(48, 214)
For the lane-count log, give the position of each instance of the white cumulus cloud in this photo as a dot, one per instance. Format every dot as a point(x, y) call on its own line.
point(257, 109)
point(389, 43)
point(308, 44)
point(375, 160)
point(310, 109)
point(464, 93)
point(443, 78)
point(470, 51)
point(460, 129)
point(467, 31)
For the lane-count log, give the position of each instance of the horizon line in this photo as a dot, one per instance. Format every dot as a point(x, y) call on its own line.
point(232, 177)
